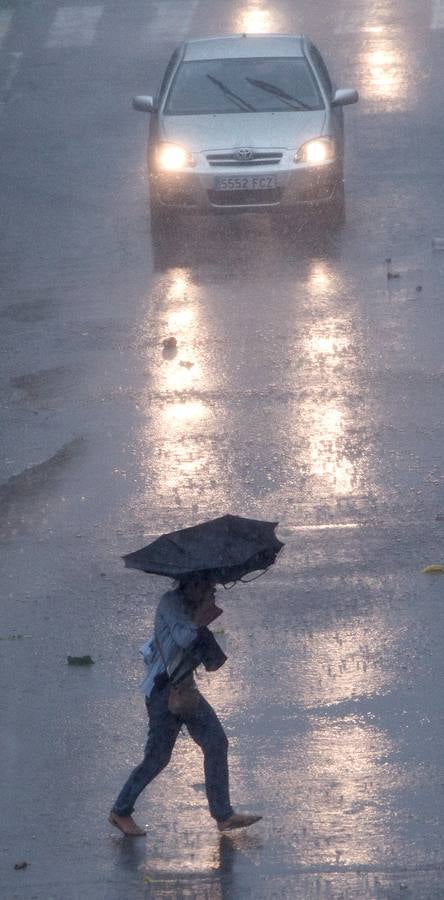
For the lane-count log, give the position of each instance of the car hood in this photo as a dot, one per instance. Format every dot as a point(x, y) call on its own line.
point(261, 130)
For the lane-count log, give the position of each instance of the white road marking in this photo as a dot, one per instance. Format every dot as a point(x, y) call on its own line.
point(74, 26)
point(12, 67)
point(172, 19)
point(5, 21)
point(437, 14)
point(325, 527)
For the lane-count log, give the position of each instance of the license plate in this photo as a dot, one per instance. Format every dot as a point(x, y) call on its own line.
point(245, 182)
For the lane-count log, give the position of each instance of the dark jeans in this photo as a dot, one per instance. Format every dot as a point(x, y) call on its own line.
point(205, 728)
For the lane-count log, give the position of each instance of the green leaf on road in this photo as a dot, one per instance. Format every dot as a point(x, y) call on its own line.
point(80, 661)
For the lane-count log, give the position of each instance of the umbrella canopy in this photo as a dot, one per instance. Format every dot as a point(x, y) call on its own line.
point(222, 550)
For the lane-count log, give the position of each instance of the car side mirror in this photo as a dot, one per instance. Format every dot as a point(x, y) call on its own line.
point(143, 104)
point(344, 97)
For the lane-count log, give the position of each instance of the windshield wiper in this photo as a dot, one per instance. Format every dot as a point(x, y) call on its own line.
point(273, 89)
point(242, 104)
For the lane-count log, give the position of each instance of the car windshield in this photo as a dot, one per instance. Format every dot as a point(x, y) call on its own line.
point(207, 87)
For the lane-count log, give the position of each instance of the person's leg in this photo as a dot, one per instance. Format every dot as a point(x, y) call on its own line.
point(162, 734)
point(207, 732)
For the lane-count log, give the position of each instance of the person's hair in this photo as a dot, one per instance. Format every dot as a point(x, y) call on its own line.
point(195, 579)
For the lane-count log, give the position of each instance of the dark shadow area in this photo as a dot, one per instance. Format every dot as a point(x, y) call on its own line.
point(235, 243)
point(223, 879)
point(235, 849)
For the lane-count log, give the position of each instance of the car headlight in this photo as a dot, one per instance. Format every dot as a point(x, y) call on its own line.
point(173, 158)
point(316, 152)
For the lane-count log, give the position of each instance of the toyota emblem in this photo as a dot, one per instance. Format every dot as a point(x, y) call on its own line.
point(244, 154)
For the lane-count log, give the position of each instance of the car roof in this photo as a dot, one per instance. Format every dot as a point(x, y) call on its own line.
point(239, 46)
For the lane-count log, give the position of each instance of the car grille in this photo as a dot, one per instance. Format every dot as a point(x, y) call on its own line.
point(265, 158)
point(269, 197)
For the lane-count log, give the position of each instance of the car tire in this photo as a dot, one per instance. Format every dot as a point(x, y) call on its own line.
point(164, 236)
point(336, 208)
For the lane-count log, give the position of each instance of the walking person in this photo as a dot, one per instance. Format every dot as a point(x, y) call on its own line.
point(172, 700)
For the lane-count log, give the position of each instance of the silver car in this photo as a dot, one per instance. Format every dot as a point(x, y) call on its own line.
point(245, 123)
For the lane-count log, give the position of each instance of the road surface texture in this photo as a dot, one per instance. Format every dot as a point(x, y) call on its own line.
point(307, 387)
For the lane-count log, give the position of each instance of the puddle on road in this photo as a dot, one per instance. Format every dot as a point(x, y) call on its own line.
point(36, 310)
point(42, 386)
point(20, 492)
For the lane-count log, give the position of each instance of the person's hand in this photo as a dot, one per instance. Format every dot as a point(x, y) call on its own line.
point(207, 613)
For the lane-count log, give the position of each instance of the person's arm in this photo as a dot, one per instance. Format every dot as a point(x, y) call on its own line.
point(184, 630)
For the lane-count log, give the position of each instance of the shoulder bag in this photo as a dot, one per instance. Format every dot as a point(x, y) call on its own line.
point(183, 698)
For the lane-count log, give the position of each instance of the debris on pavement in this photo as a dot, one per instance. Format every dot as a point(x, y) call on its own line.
point(169, 347)
point(390, 273)
point(169, 343)
point(434, 569)
point(21, 865)
point(80, 661)
point(14, 637)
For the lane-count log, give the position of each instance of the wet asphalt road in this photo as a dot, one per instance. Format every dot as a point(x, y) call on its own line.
point(307, 387)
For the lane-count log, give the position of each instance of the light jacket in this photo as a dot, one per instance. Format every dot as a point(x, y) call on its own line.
point(174, 629)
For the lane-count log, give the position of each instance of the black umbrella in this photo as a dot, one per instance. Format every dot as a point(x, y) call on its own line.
point(222, 550)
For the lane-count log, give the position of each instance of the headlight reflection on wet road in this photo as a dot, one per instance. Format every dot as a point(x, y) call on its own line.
point(340, 663)
point(386, 74)
point(185, 456)
point(257, 18)
point(346, 760)
point(387, 67)
point(329, 348)
point(328, 461)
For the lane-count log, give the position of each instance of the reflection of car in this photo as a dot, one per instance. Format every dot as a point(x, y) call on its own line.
point(246, 123)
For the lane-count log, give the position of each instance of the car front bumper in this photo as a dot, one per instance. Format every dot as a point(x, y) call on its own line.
point(275, 188)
